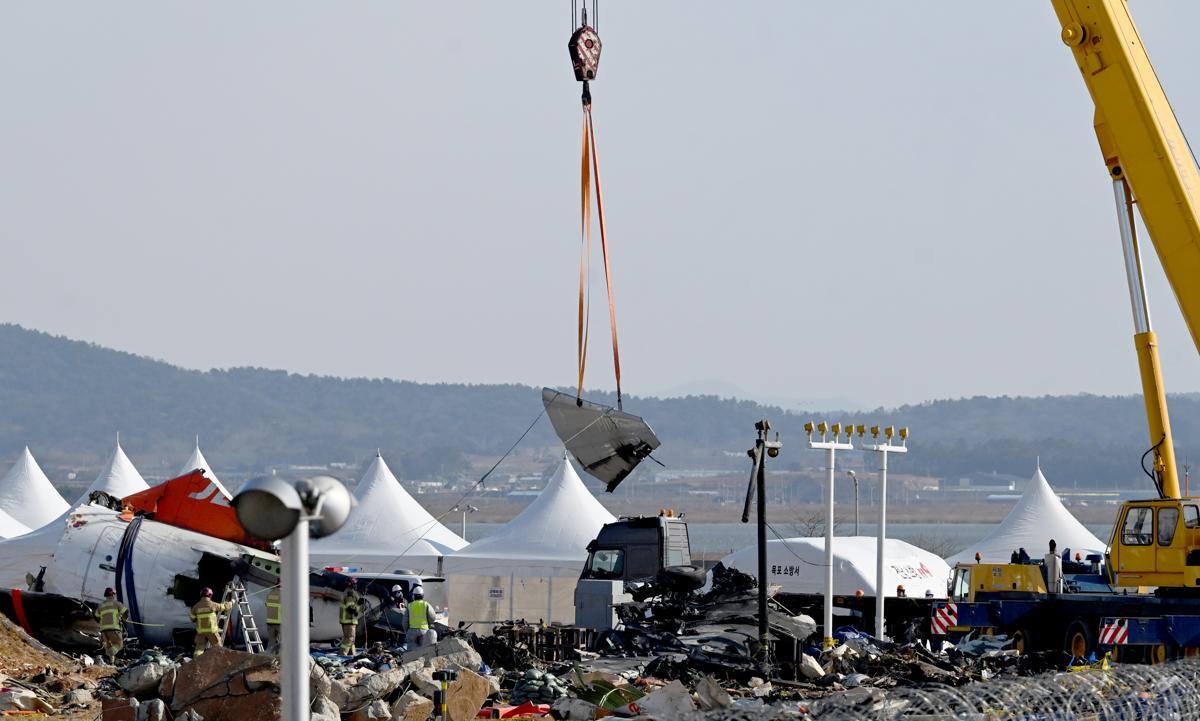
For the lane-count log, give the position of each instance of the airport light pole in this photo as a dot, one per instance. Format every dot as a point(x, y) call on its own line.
point(831, 443)
point(272, 509)
point(883, 449)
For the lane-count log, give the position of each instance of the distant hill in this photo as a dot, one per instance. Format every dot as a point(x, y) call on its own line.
point(67, 399)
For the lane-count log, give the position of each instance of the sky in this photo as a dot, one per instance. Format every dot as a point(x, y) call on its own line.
point(878, 203)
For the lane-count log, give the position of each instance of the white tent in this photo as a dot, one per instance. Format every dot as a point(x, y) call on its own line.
point(797, 565)
point(387, 530)
point(529, 568)
point(197, 460)
point(118, 478)
point(27, 495)
point(1038, 517)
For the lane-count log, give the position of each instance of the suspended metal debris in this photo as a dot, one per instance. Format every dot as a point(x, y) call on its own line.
point(608, 443)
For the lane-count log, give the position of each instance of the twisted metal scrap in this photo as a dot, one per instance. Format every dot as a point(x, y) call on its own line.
point(1169, 692)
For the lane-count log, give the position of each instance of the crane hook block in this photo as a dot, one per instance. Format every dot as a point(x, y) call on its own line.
point(585, 53)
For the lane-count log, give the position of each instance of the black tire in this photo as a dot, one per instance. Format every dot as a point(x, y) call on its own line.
point(1078, 641)
point(1023, 641)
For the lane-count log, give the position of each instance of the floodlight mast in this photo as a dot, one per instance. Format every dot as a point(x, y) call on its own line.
point(831, 443)
point(883, 449)
point(293, 646)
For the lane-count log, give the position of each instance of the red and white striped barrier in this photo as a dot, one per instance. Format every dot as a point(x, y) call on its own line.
point(1114, 632)
point(945, 617)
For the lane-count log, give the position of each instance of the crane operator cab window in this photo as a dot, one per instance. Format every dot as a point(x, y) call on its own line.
point(960, 584)
point(1191, 516)
point(607, 563)
point(1139, 527)
point(1168, 518)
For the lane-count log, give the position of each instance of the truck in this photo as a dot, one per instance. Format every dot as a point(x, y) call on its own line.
point(1143, 602)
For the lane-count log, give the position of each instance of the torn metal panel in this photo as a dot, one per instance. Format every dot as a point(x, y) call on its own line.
point(608, 443)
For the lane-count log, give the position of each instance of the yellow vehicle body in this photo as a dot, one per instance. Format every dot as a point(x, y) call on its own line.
point(971, 578)
point(1157, 543)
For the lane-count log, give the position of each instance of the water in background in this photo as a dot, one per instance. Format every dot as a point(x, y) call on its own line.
point(713, 540)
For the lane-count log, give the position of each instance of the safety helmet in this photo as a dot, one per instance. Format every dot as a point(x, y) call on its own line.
point(397, 590)
point(418, 592)
point(109, 593)
point(207, 592)
point(352, 582)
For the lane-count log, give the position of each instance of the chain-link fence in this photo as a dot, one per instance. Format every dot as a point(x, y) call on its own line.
point(1168, 692)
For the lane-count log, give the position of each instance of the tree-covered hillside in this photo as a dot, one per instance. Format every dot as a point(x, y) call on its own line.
point(67, 399)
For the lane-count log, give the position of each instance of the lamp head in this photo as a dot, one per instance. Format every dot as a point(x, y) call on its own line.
point(268, 507)
point(329, 500)
point(808, 428)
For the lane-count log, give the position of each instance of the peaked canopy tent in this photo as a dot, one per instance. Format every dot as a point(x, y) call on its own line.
point(118, 477)
point(386, 530)
point(528, 568)
point(1038, 517)
point(198, 461)
point(27, 495)
point(795, 564)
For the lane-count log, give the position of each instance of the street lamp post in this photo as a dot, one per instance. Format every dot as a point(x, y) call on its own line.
point(883, 449)
point(763, 448)
point(854, 477)
point(272, 509)
point(830, 442)
point(465, 510)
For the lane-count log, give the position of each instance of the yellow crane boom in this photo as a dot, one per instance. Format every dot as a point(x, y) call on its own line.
point(1152, 167)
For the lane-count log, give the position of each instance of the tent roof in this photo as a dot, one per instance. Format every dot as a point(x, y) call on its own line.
point(387, 521)
point(197, 460)
point(1038, 517)
point(118, 478)
point(27, 494)
point(557, 526)
point(795, 564)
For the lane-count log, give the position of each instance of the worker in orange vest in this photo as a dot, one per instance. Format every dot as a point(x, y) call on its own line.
point(112, 615)
point(204, 614)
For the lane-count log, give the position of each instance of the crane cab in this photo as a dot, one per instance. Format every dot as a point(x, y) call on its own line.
point(1157, 543)
point(969, 579)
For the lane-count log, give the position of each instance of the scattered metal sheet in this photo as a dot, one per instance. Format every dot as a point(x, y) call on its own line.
point(608, 443)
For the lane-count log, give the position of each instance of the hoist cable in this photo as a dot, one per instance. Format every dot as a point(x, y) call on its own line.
point(585, 242)
point(612, 310)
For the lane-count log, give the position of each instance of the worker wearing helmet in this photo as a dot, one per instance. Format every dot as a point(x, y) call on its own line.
point(274, 619)
point(420, 620)
point(392, 620)
point(112, 615)
point(204, 615)
point(348, 616)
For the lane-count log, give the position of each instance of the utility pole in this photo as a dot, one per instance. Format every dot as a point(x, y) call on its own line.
point(883, 449)
point(830, 442)
point(758, 478)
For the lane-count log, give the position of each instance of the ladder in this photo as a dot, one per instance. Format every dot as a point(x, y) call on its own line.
point(235, 596)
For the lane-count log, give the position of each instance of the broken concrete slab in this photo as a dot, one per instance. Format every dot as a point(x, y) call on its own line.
point(260, 706)
point(319, 682)
point(412, 706)
point(324, 710)
point(166, 687)
point(142, 679)
point(447, 653)
point(377, 710)
point(152, 710)
point(466, 695)
point(669, 702)
point(375, 686)
point(199, 677)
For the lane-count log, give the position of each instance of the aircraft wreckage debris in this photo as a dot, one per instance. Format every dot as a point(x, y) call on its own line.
point(608, 443)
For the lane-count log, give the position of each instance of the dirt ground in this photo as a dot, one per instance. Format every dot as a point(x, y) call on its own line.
point(28, 664)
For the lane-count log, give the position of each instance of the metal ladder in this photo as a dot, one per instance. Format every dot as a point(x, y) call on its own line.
point(235, 594)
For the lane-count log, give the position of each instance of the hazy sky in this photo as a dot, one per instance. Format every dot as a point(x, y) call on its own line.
point(880, 201)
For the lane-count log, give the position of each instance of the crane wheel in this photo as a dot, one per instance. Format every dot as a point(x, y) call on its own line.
point(1022, 641)
point(1078, 642)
